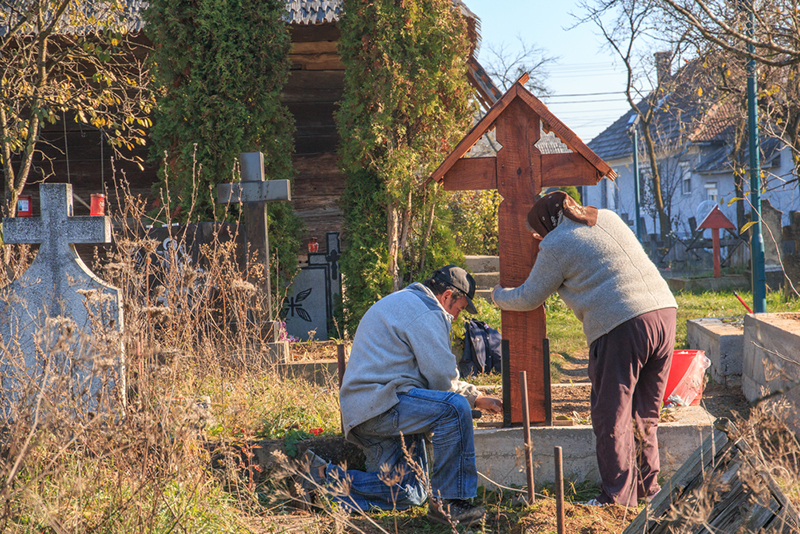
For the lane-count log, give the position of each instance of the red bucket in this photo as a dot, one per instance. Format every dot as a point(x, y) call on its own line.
point(682, 362)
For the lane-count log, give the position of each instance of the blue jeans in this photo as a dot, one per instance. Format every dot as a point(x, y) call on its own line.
point(448, 417)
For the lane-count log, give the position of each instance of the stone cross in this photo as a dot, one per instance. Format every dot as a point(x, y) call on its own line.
point(519, 172)
point(58, 285)
point(254, 193)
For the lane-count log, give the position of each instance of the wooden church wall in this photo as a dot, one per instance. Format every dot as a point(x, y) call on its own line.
point(315, 86)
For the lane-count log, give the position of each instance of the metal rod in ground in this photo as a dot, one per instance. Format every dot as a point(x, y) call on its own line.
point(559, 489)
point(526, 427)
point(340, 361)
point(341, 367)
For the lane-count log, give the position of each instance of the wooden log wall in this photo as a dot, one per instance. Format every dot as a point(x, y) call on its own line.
point(314, 88)
point(312, 94)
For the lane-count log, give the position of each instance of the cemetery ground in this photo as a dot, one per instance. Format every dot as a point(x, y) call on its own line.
point(205, 407)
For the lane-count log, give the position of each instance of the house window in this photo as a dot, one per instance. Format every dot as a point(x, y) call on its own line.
point(686, 178)
point(604, 193)
point(712, 193)
point(686, 184)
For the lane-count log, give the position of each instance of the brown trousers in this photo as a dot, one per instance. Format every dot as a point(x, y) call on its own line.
point(628, 368)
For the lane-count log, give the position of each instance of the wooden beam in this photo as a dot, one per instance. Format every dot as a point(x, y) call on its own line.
point(471, 174)
point(317, 61)
point(315, 47)
point(483, 126)
point(560, 170)
point(566, 135)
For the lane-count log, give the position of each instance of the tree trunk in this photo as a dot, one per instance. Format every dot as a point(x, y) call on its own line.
point(393, 242)
point(663, 218)
point(427, 236)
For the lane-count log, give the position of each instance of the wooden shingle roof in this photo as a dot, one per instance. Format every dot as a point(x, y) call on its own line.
point(313, 11)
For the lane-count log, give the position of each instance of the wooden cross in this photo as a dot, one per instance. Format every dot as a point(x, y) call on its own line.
point(716, 220)
point(254, 192)
point(519, 172)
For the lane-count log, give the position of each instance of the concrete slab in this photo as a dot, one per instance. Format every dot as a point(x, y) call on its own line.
point(321, 372)
point(486, 280)
point(499, 454)
point(482, 264)
point(734, 281)
point(772, 361)
point(722, 339)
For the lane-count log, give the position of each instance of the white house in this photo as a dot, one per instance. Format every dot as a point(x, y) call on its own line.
point(695, 138)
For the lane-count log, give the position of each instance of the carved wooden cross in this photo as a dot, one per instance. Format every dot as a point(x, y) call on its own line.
point(254, 192)
point(716, 220)
point(519, 172)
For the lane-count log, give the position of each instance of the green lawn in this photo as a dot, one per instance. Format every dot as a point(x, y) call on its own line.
point(566, 335)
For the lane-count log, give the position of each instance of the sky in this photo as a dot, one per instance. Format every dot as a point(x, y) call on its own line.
point(586, 81)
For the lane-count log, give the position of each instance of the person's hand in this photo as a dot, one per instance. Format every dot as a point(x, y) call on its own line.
point(495, 288)
point(489, 404)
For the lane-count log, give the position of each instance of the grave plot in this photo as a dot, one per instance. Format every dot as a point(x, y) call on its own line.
point(771, 368)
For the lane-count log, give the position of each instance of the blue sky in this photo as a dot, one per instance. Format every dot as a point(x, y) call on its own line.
point(584, 68)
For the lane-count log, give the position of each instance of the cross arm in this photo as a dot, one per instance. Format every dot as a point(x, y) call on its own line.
point(267, 191)
point(560, 170)
point(469, 174)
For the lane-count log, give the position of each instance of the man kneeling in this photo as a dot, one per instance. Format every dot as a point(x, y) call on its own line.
point(401, 384)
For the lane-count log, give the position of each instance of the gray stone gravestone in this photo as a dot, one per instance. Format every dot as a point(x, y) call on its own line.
point(791, 243)
point(309, 305)
point(60, 322)
point(773, 238)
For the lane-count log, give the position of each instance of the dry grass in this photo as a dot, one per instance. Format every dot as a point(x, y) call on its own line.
point(198, 384)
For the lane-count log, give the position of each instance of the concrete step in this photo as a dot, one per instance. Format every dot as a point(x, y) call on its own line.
point(486, 280)
point(484, 294)
point(483, 264)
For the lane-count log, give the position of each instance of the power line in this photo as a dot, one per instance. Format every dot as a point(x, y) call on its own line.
point(589, 94)
point(588, 101)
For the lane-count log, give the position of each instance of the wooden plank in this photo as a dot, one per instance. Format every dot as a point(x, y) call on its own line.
point(313, 47)
point(718, 479)
point(468, 174)
point(483, 126)
point(560, 170)
point(564, 133)
point(519, 181)
point(327, 31)
point(316, 61)
point(700, 461)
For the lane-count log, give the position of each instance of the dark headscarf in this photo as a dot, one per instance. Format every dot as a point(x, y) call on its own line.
point(545, 213)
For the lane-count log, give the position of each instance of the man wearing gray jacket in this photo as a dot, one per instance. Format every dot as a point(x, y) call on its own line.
point(402, 383)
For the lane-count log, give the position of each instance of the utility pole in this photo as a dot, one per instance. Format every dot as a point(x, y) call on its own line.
point(759, 278)
point(633, 122)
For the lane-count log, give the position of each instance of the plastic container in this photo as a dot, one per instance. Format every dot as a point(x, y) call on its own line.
point(25, 206)
point(686, 377)
point(98, 205)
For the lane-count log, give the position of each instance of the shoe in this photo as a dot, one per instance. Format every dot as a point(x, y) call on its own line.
point(454, 512)
point(315, 467)
point(593, 502)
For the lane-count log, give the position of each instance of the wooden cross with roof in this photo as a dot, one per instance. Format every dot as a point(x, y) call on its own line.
point(519, 172)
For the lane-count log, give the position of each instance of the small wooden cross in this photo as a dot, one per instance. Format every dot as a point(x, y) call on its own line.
point(254, 192)
point(716, 220)
point(519, 172)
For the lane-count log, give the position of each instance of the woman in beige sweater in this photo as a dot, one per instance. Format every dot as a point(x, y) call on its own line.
point(597, 266)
